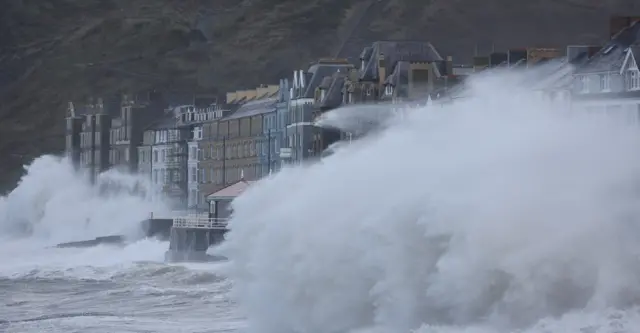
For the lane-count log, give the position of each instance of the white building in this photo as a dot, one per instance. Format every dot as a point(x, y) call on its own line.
point(193, 169)
point(609, 82)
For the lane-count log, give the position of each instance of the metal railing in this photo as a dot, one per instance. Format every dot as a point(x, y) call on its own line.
point(197, 222)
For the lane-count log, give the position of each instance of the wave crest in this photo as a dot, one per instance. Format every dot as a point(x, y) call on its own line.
point(497, 211)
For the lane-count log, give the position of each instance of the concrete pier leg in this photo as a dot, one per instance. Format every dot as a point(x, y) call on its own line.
point(189, 244)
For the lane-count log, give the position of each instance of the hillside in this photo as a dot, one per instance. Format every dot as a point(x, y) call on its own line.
point(52, 51)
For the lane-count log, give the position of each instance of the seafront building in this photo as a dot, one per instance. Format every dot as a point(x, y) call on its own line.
point(192, 150)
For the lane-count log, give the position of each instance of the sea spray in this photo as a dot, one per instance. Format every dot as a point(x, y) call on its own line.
point(53, 203)
point(499, 211)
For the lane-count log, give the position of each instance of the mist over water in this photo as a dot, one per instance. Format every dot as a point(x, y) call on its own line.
point(496, 213)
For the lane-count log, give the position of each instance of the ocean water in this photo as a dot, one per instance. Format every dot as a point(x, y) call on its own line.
point(500, 212)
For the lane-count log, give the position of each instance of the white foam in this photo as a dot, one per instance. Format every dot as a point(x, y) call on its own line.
point(495, 213)
point(54, 204)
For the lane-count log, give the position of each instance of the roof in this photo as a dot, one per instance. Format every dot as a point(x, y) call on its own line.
point(314, 76)
point(635, 51)
point(254, 108)
point(394, 52)
point(611, 56)
point(400, 74)
point(167, 121)
point(232, 191)
point(333, 96)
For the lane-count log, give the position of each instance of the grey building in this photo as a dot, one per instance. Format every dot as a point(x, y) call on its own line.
point(274, 133)
point(301, 130)
point(87, 139)
point(102, 134)
point(609, 81)
point(127, 128)
point(145, 157)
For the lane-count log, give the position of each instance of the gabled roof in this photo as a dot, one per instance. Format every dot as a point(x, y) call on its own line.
point(232, 191)
point(632, 53)
point(612, 55)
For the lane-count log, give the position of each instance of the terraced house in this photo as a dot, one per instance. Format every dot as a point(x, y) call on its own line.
point(231, 145)
point(301, 129)
point(609, 81)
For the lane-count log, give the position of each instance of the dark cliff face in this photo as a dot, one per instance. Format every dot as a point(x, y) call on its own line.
point(53, 51)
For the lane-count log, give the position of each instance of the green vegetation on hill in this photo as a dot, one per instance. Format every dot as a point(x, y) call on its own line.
point(52, 51)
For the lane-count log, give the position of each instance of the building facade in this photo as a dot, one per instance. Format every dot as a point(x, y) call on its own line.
point(609, 81)
point(88, 137)
point(268, 143)
point(301, 128)
point(126, 130)
point(145, 154)
point(282, 121)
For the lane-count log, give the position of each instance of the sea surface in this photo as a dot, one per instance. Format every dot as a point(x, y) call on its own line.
point(111, 289)
point(501, 212)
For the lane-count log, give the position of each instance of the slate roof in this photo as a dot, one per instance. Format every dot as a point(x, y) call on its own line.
point(635, 50)
point(400, 74)
point(394, 52)
point(254, 108)
point(232, 191)
point(611, 56)
point(316, 74)
point(167, 121)
point(333, 95)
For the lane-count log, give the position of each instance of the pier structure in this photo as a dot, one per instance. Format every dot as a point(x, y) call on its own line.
point(191, 235)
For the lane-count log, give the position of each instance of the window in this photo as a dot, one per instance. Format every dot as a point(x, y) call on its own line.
point(194, 175)
point(164, 155)
point(605, 82)
point(126, 154)
point(633, 79)
point(155, 176)
point(584, 84)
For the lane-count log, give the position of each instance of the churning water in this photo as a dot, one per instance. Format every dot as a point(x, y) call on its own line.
point(497, 213)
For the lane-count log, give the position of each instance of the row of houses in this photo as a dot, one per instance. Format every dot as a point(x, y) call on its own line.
point(191, 149)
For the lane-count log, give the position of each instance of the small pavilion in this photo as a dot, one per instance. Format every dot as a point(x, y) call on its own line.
point(220, 201)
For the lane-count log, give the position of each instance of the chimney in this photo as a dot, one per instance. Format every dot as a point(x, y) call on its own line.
point(382, 69)
point(617, 23)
